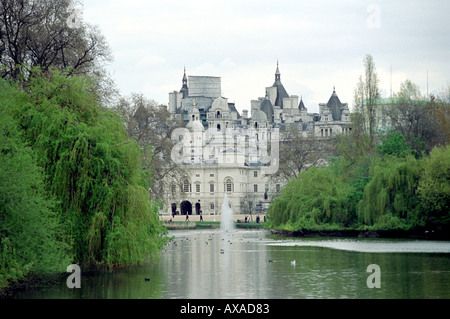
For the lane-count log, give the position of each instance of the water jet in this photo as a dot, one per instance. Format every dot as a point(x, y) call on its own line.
point(226, 224)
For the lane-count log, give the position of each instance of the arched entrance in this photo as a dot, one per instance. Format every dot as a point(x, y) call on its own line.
point(174, 208)
point(197, 208)
point(186, 208)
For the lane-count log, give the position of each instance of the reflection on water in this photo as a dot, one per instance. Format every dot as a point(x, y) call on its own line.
point(251, 264)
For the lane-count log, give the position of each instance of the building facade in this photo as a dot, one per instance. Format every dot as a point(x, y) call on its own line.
point(225, 152)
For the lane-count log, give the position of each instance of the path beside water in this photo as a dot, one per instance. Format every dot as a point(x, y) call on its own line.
point(211, 218)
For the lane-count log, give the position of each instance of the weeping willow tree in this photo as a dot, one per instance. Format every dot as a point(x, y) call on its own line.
point(380, 193)
point(30, 232)
point(317, 199)
point(93, 170)
point(390, 188)
point(390, 199)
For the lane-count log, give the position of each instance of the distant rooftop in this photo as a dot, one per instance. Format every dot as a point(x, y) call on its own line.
point(281, 91)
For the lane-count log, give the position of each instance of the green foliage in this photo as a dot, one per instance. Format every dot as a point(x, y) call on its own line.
point(316, 198)
point(136, 235)
point(358, 178)
point(95, 171)
point(394, 143)
point(434, 187)
point(30, 234)
point(69, 170)
point(390, 186)
point(391, 192)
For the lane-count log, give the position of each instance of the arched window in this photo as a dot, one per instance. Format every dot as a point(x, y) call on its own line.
point(229, 185)
point(218, 127)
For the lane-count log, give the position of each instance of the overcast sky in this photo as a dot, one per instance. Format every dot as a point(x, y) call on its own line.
point(319, 44)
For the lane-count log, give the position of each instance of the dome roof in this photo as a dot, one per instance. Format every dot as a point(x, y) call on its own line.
point(259, 116)
point(220, 103)
point(194, 111)
point(196, 126)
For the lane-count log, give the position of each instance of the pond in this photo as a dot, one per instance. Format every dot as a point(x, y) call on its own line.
point(253, 264)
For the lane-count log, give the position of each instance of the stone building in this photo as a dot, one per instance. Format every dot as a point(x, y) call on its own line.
point(225, 152)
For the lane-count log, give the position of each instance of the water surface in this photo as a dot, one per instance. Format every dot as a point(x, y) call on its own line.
point(254, 264)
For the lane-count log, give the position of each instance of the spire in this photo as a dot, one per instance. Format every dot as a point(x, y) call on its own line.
point(277, 73)
point(184, 88)
point(184, 79)
point(281, 91)
point(334, 91)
